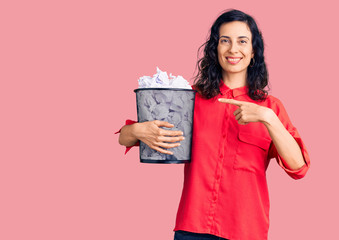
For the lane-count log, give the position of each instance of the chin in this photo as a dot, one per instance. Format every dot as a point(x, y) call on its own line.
point(235, 70)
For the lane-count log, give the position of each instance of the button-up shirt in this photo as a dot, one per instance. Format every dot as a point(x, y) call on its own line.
point(225, 190)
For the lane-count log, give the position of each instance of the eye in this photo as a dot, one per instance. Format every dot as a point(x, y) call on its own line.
point(243, 41)
point(223, 40)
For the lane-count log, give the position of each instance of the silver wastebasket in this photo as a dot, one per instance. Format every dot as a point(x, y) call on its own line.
point(173, 105)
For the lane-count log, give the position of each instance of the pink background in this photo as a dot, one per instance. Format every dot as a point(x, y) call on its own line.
point(68, 70)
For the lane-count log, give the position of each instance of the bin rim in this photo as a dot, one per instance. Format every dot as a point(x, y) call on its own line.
point(174, 89)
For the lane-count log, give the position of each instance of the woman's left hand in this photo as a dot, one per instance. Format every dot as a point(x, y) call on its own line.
point(248, 112)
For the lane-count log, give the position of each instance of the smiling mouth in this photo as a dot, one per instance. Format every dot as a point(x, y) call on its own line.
point(233, 60)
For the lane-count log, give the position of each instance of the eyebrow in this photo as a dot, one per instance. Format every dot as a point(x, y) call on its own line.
point(229, 37)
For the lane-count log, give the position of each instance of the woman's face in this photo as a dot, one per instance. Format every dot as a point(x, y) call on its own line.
point(234, 47)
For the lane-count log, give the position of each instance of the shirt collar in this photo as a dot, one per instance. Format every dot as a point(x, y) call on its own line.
point(224, 89)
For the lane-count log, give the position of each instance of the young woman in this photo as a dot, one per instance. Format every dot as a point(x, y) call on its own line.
point(237, 129)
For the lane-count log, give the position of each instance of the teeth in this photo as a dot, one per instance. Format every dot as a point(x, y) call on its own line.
point(233, 59)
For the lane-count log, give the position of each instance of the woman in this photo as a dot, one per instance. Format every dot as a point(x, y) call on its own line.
point(237, 129)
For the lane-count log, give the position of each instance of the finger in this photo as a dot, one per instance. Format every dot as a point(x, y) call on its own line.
point(171, 133)
point(168, 145)
point(163, 124)
point(242, 122)
point(238, 117)
point(162, 150)
point(170, 139)
point(236, 111)
point(231, 101)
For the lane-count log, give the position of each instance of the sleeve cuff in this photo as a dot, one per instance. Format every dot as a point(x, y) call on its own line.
point(128, 122)
point(301, 172)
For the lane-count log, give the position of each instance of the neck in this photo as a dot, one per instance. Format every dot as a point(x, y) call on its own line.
point(234, 80)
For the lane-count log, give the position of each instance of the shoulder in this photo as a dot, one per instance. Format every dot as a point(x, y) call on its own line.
point(278, 107)
point(275, 104)
point(197, 91)
point(273, 100)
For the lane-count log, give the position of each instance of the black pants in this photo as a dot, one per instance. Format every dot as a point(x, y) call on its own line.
point(183, 235)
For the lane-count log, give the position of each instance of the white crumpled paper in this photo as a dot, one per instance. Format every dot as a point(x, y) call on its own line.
point(161, 80)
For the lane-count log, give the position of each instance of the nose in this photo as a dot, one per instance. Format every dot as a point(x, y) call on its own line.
point(233, 48)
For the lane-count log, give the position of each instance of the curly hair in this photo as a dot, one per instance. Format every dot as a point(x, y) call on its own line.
point(207, 81)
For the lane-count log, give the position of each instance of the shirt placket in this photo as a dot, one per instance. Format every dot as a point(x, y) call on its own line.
point(219, 165)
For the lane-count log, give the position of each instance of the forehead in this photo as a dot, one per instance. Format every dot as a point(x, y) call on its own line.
point(235, 29)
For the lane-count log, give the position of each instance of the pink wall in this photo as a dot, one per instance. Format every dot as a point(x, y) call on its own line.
point(68, 70)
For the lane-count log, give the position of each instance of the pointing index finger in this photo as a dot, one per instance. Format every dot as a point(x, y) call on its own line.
point(230, 101)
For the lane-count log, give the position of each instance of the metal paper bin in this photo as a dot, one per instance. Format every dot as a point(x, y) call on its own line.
point(173, 105)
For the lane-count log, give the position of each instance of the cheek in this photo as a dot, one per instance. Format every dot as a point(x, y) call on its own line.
point(221, 50)
point(247, 60)
point(220, 55)
point(248, 56)
point(249, 52)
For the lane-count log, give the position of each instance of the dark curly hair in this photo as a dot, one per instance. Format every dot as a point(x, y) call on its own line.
point(207, 81)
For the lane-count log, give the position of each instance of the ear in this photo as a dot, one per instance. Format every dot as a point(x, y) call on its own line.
point(252, 54)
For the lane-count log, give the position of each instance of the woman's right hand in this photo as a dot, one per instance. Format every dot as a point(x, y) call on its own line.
point(157, 138)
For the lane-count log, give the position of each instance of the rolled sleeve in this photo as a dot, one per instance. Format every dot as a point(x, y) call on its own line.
point(273, 153)
point(128, 122)
point(298, 173)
